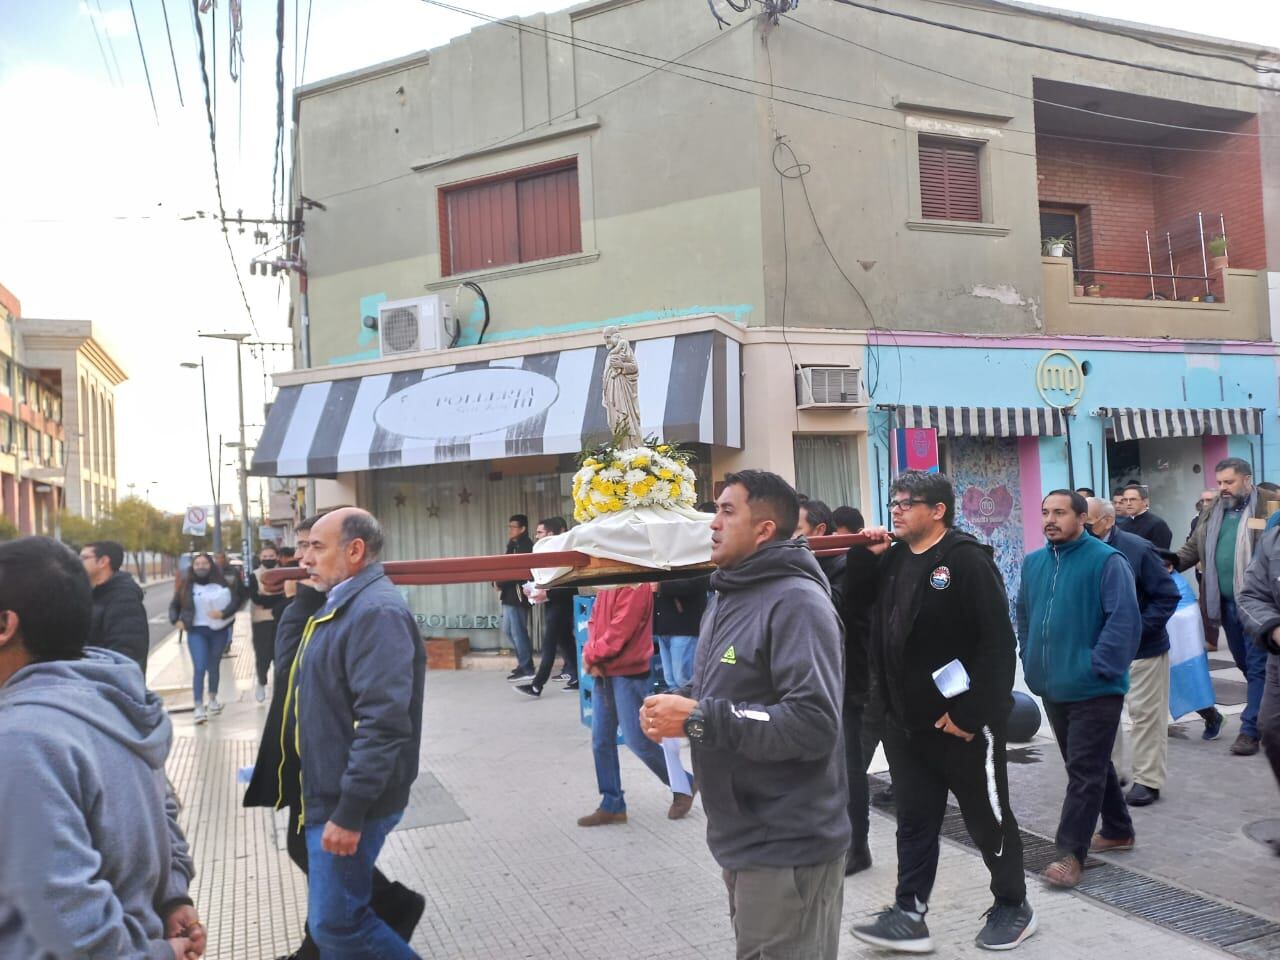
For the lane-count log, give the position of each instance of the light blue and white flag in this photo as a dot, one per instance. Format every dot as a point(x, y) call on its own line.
point(1190, 687)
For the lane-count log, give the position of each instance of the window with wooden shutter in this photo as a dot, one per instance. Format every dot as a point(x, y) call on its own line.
point(514, 218)
point(950, 180)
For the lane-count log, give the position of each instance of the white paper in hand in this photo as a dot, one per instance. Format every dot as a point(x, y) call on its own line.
point(951, 679)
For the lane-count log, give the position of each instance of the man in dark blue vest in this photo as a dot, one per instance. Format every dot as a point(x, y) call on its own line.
point(1079, 629)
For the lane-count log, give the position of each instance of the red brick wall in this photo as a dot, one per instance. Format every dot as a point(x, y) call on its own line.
point(1112, 188)
point(1223, 175)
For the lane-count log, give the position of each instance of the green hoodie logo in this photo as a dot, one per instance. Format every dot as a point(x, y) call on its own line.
point(729, 656)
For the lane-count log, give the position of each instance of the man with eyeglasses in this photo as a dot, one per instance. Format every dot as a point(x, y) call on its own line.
point(1141, 522)
point(942, 651)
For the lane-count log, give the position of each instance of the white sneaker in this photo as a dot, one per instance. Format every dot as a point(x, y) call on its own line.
point(215, 707)
point(260, 692)
point(200, 716)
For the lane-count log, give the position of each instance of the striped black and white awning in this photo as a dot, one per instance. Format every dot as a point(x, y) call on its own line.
point(985, 421)
point(544, 403)
point(1137, 423)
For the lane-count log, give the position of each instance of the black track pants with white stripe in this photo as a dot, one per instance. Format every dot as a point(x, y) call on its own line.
point(926, 766)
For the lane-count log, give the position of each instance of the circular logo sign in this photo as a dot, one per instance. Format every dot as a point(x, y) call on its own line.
point(1060, 379)
point(466, 403)
point(940, 579)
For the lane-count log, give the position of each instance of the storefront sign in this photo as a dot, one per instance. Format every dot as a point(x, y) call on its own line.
point(1060, 379)
point(467, 403)
point(458, 621)
point(987, 510)
point(915, 448)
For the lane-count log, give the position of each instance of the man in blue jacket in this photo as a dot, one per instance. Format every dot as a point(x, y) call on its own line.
point(1078, 629)
point(354, 709)
point(1148, 698)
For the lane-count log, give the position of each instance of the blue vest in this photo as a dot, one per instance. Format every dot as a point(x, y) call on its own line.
point(1061, 590)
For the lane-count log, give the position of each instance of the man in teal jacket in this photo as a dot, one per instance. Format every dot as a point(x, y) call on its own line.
point(1078, 628)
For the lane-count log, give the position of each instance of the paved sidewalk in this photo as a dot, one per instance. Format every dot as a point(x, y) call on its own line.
point(490, 839)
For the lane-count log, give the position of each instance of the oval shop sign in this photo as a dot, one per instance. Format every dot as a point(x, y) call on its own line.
point(467, 403)
point(1060, 379)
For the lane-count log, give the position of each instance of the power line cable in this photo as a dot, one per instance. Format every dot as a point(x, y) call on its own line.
point(217, 179)
point(1021, 96)
point(164, 5)
point(306, 44)
point(276, 169)
point(146, 71)
point(97, 36)
point(111, 46)
point(1097, 26)
point(1050, 48)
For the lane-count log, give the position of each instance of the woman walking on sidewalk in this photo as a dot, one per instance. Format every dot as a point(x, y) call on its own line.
point(200, 605)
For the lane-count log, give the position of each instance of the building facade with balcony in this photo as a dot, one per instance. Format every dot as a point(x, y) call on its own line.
point(815, 231)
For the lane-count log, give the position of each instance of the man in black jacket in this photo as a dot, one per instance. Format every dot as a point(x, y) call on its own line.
point(119, 616)
point(515, 605)
point(817, 520)
point(276, 777)
point(1148, 696)
point(764, 722)
point(943, 650)
point(557, 626)
point(1141, 522)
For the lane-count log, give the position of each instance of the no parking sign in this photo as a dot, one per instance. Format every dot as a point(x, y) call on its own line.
point(196, 522)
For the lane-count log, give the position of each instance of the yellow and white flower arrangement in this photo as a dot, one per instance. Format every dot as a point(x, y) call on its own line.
point(613, 479)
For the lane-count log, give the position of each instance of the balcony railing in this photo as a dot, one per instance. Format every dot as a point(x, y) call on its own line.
point(1243, 315)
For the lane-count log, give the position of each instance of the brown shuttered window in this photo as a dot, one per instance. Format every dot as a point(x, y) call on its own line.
point(518, 218)
point(950, 184)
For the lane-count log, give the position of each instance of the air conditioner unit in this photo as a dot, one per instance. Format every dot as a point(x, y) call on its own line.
point(411, 326)
point(829, 387)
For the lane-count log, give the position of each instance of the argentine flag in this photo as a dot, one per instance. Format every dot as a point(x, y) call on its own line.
point(1189, 685)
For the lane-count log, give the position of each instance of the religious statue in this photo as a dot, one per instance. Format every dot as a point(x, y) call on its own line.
point(621, 389)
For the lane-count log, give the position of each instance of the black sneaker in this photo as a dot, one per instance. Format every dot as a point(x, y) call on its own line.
point(528, 689)
point(1213, 725)
point(895, 929)
point(519, 676)
point(571, 686)
point(1007, 926)
point(561, 678)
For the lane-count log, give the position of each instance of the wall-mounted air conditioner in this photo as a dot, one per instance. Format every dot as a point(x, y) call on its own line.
point(412, 326)
point(829, 387)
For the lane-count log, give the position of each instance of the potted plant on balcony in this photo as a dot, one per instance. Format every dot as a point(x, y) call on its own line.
point(1093, 290)
point(1218, 253)
point(1056, 246)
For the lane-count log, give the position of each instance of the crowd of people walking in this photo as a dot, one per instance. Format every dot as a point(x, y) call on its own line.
point(782, 669)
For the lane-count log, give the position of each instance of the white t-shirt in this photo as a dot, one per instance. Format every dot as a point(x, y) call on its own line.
point(206, 595)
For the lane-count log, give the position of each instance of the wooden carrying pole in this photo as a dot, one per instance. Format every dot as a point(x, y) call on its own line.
point(519, 566)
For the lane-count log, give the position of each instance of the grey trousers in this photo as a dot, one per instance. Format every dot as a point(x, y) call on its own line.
point(787, 913)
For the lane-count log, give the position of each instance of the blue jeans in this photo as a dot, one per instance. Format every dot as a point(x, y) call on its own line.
point(1252, 661)
point(338, 913)
point(515, 627)
point(206, 646)
point(677, 659)
point(616, 701)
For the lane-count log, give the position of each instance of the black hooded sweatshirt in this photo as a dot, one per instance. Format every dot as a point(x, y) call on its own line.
point(768, 678)
point(957, 611)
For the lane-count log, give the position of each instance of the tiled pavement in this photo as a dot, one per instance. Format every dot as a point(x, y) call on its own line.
point(518, 879)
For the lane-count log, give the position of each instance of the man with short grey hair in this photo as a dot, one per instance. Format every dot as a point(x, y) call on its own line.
point(354, 707)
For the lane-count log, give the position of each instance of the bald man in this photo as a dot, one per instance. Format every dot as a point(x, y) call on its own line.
point(354, 704)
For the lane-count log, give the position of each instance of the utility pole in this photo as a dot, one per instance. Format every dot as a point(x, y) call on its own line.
point(246, 536)
point(214, 488)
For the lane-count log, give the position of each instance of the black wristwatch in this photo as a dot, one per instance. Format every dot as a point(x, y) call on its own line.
point(695, 726)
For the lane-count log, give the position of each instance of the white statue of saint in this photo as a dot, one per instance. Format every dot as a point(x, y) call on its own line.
point(621, 389)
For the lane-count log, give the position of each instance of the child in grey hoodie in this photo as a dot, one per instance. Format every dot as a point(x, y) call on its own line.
point(92, 861)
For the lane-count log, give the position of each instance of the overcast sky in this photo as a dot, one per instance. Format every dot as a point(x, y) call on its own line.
point(80, 146)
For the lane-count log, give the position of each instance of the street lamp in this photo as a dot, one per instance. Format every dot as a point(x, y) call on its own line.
point(208, 449)
point(246, 538)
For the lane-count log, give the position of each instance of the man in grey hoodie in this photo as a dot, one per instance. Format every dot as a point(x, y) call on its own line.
point(94, 866)
point(763, 717)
